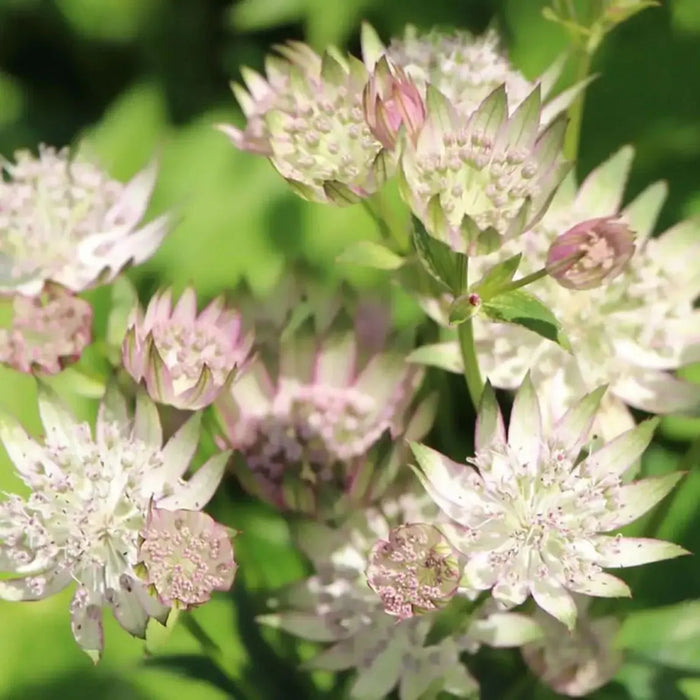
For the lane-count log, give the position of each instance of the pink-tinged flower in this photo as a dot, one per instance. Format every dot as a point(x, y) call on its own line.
point(66, 221)
point(476, 182)
point(465, 68)
point(47, 332)
point(184, 359)
point(631, 333)
point(591, 253)
point(392, 101)
point(415, 570)
point(335, 606)
point(575, 663)
point(88, 503)
point(314, 126)
point(187, 556)
point(529, 514)
point(320, 429)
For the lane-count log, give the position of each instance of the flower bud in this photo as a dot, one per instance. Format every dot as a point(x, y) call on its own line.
point(390, 100)
point(415, 571)
point(590, 253)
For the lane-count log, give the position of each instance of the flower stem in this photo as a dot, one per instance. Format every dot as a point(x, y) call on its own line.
point(465, 333)
point(573, 133)
point(523, 281)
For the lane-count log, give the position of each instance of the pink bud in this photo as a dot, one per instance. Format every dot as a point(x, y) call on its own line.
point(391, 100)
point(590, 253)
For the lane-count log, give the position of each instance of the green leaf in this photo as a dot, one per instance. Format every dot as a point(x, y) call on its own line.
point(496, 277)
point(668, 636)
point(371, 254)
point(526, 310)
point(446, 356)
point(441, 262)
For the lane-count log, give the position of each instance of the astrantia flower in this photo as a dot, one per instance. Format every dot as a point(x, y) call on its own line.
point(187, 556)
point(336, 606)
point(465, 68)
point(529, 515)
point(629, 332)
point(477, 182)
point(66, 221)
point(575, 663)
point(88, 503)
point(185, 360)
point(47, 331)
point(414, 570)
point(314, 126)
point(315, 427)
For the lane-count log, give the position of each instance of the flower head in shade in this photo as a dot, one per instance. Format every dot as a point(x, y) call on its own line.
point(337, 607)
point(465, 68)
point(187, 555)
point(532, 518)
point(47, 332)
point(185, 360)
point(476, 182)
point(629, 333)
point(414, 570)
point(319, 428)
point(575, 663)
point(66, 221)
point(88, 503)
point(591, 253)
point(314, 126)
point(391, 101)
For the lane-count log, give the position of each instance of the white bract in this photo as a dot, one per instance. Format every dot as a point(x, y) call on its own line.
point(66, 221)
point(532, 518)
point(89, 501)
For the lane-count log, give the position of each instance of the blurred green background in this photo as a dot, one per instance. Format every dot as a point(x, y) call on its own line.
point(140, 78)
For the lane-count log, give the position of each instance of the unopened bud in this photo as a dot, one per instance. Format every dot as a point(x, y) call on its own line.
point(415, 571)
point(590, 253)
point(391, 100)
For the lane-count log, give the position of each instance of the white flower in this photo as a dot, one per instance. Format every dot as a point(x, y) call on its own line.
point(66, 221)
point(89, 501)
point(627, 333)
point(529, 515)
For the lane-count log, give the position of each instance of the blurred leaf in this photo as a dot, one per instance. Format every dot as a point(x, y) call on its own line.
point(107, 19)
point(668, 636)
point(441, 262)
point(497, 276)
point(446, 356)
point(254, 15)
point(371, 254)
point(685, 15)
point(690, 687)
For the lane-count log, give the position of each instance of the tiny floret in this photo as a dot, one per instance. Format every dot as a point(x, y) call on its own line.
point(64, 220)
point(184, 359)
point(591, 253)
point(531, 516)
point(47, 331)
point(414, 571)
point(187, 555)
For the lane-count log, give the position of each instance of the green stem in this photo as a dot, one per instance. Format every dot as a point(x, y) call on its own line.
point(465, 333)
point(573, 133)
point(523, 281)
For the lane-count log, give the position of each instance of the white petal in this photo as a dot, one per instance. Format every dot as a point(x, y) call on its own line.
point(505, 630)
point(641, 214)
point(489, 431)
point(480, 573)
point(113, 410)
point(554, 599)
point(179, 450)
point(525, 428)
point(601, 192)
point(127, 607)
point(24, 452)
point(34, 587)
point(657, 392)
point(602, 585)
point(573, 429)
point(637, 498)
point(196, 493)
point(86, 624)
point(617, 456)
point(307, 625)
point(335, 361)
point(382, 674)
point(131, 205)
point(617, 552)
point(146, 421)
point(57, 419)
